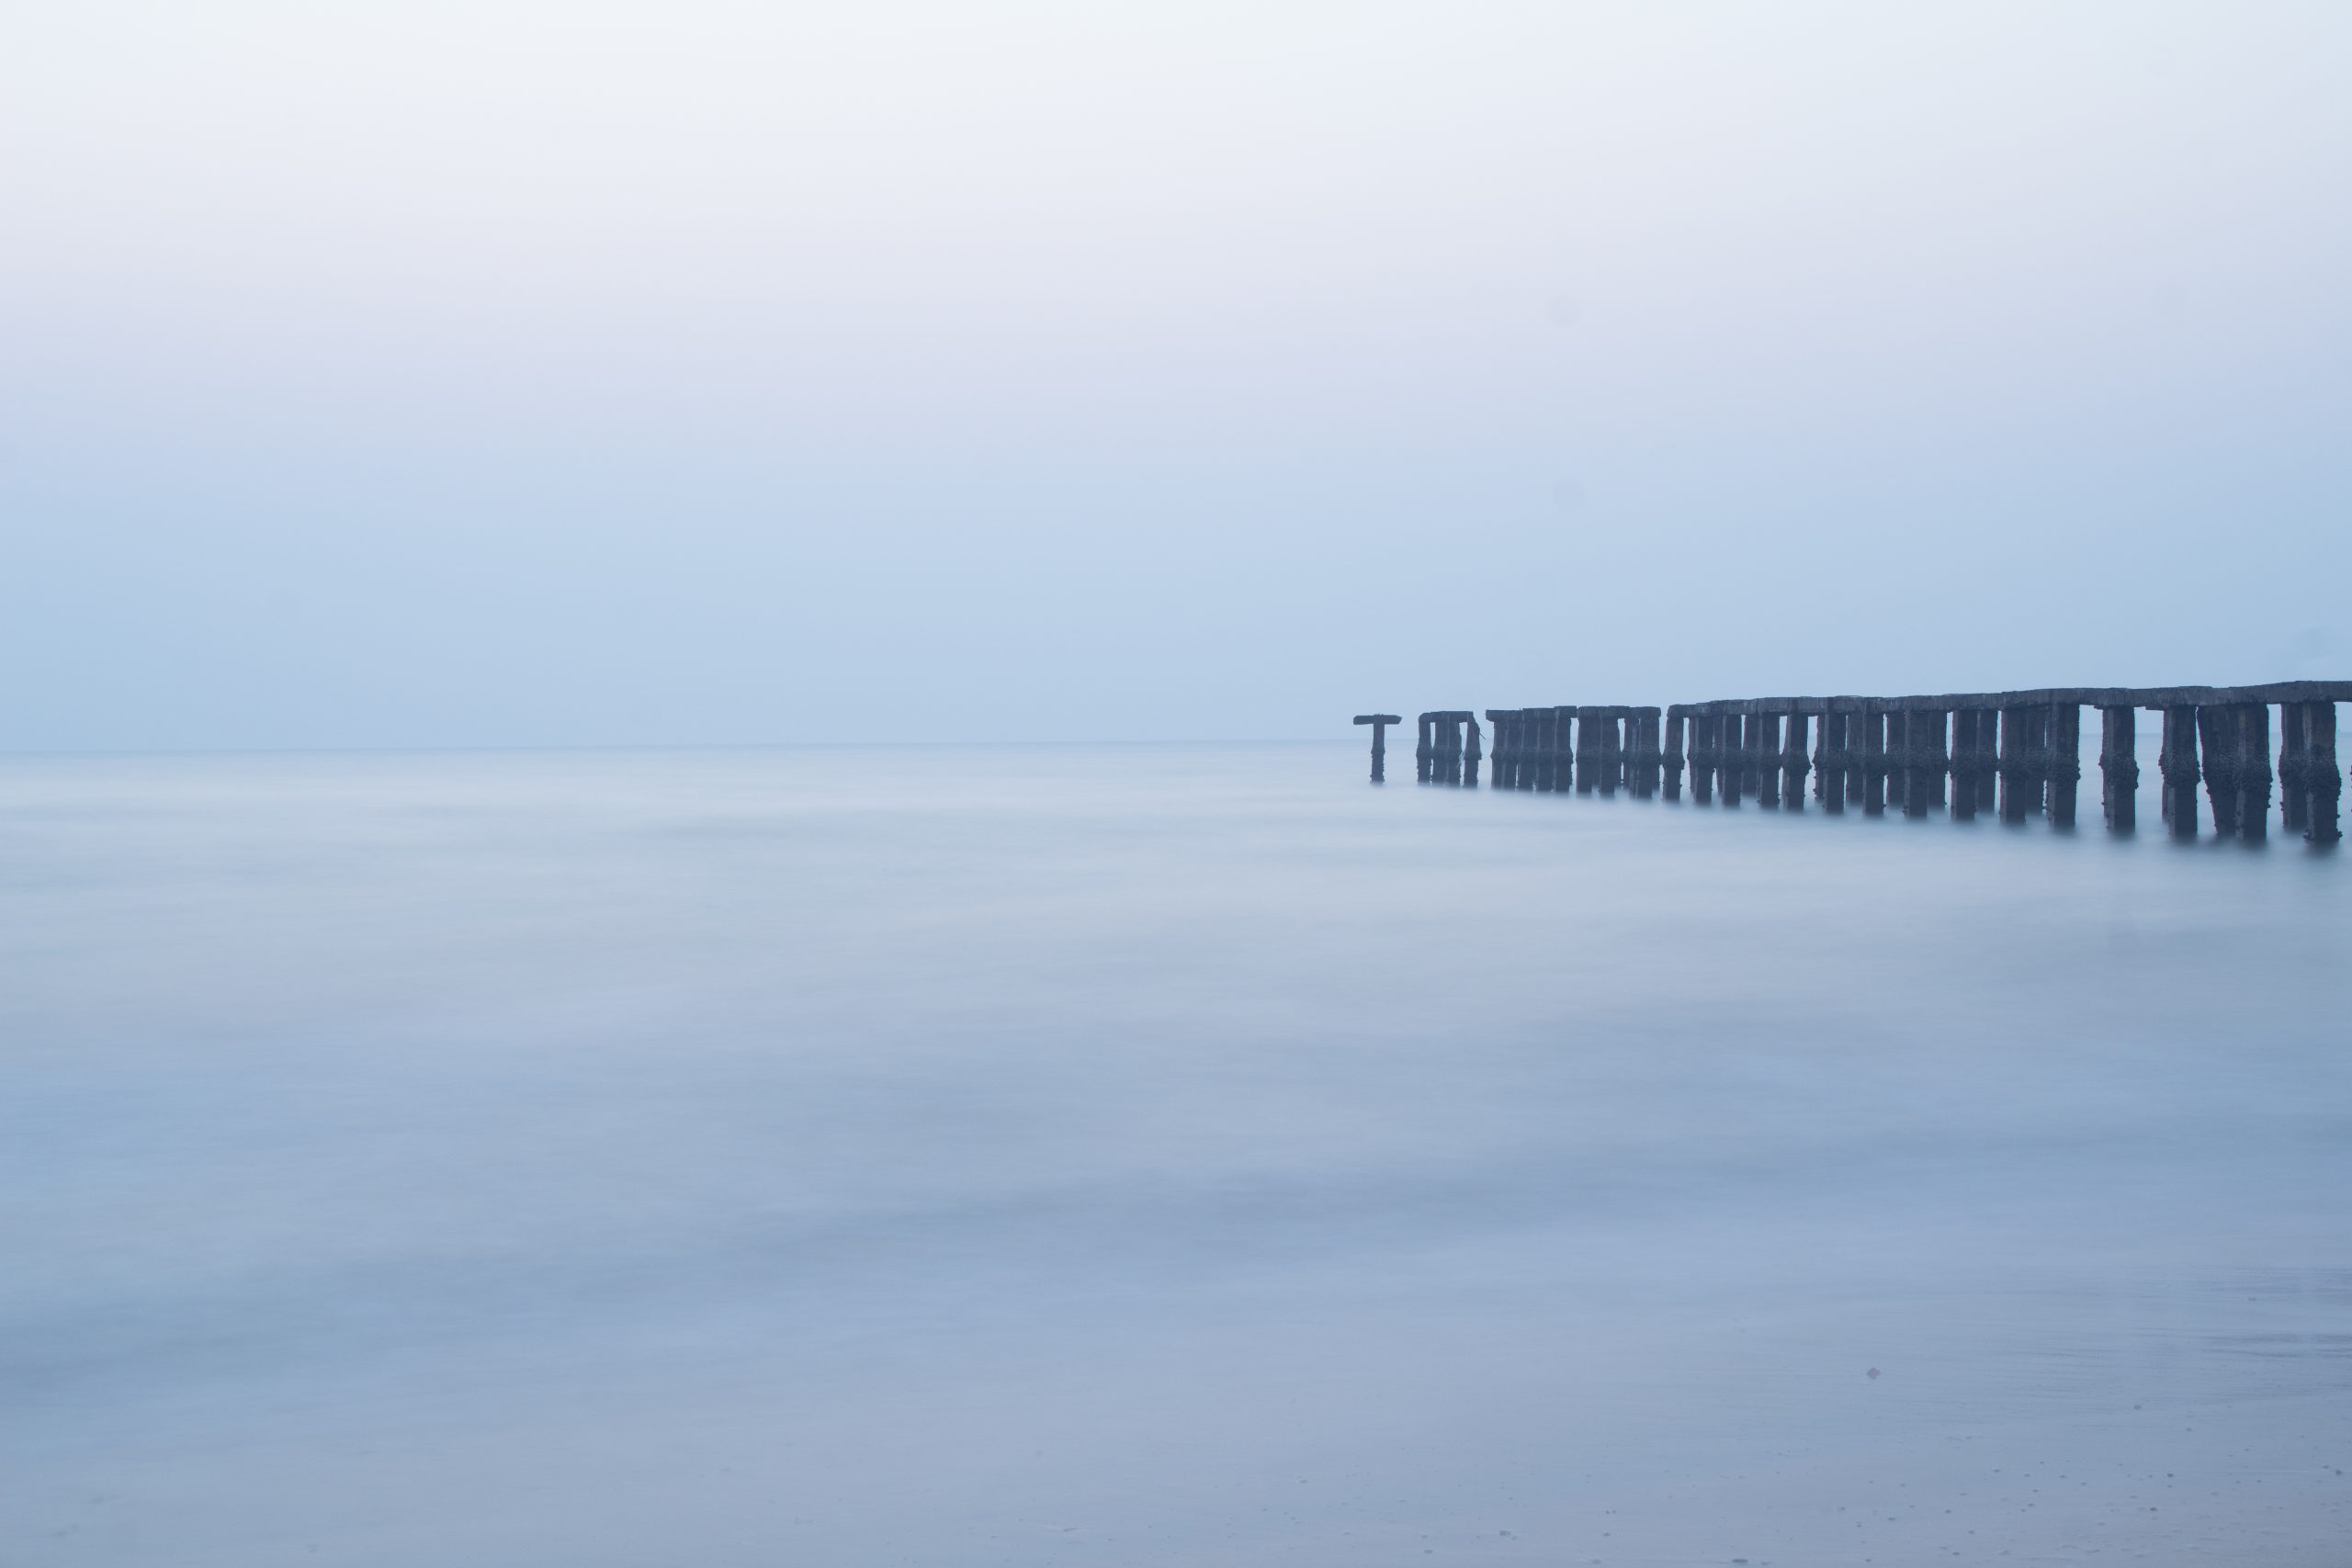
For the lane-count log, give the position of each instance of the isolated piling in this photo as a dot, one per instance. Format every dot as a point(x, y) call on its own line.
point(1380, 722)
point(2119, 768)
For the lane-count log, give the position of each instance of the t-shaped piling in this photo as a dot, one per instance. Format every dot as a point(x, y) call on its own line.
point(1380, 722)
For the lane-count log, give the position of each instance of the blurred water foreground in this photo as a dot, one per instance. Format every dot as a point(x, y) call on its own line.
point(1152, 1155)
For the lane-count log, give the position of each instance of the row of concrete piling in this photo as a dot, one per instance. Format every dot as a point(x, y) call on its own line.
point(2012, 754)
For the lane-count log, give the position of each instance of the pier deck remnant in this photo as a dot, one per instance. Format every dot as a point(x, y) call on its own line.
point(2016, 754)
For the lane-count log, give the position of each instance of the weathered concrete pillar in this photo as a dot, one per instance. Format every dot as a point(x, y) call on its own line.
point(1670, 753)
point(1793, 762)
point(2065, 769)
point(2119, 768)
point(1421, 752)
point(2294, 799)
point(1585, 754)
point(2255, 777)
point(1706, 755)
point(2024, 760)
point(1607, 750)
point(1642, 756)
point(1853, 754)
point(1536, 770)
point(1441, 748)
point(1380, 722)
point(1568, 735)
point(1472, 752)
point(2178, 761)
point(1923, 761)
point(1764, 757)
point(1830, 764)
point(2307, 768)
point(1965, 765)
point(1873, 761)
point(1737, 781)
point(2237, 767)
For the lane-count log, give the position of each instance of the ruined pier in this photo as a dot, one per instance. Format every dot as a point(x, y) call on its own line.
point(2017, 755)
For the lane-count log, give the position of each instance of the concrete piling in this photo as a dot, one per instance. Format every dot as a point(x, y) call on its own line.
point(2236, 743)
point(1608, 749)
point(1923, 761)
point(1898, 760)
point(2020, 776)
point(2177, 761)
point(1764, 757)
point(1873, 754)
point(1706, 755)
point(1643, 757)
point(1967, 764)
point(2307, 769)
point(1380, 722)
point(1670, 753)
point(2062, 765)
point(1830, 766)
point(2119, 767)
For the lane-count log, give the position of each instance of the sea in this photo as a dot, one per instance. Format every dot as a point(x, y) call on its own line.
point(1192, 1157)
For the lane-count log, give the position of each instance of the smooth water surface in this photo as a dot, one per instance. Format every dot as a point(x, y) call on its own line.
point(1148, 1156)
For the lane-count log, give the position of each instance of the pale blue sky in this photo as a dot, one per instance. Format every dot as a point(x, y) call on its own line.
point(508, 374)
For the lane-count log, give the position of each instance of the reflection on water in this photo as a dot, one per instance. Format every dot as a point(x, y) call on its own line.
point(1147, 1155)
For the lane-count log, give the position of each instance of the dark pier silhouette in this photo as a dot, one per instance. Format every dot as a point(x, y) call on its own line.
point(2015, 755)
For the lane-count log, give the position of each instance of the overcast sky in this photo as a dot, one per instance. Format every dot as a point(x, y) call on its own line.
point(577, 373)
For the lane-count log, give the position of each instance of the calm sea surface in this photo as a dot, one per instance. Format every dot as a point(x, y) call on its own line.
point(1149, 1155)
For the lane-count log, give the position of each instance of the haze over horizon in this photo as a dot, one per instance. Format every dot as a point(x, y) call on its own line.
point(523, 373)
